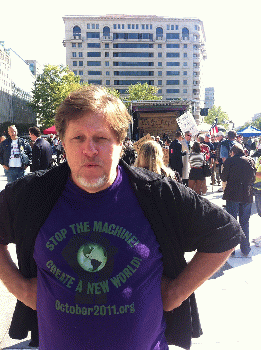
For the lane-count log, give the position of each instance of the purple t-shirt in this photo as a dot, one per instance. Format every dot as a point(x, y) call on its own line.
point(99, 273)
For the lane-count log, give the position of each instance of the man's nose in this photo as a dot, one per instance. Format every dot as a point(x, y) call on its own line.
point(90, 149)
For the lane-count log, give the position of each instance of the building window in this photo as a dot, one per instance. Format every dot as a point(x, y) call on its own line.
point(176, 64)
point(160, 73)
point(172, 82)
point(185, 82)
point(107, 46)
point(107, 72)
point(80, 63)
point(159, 46)
point(171, 72)
point(185, 64)
point(73, 54)
point(172, 36)
point(172, 46)
point(159, 82)
point(185, 91)
point(172, 91)
point(159, 54)
point(80, 72)
point(159, 33)
point(185, 46)
point(74, 63)
point(107, 63)
point(107, 82)
point(94, 72)
point(159, 64)
point(185, 72)
point(93, 54)
point(93, 35)
point(96, 82)
point(75, 72)
point(73, 44)
point(80, 54)
point(79, 45)
point(172, 54)
point(106, 31)
point(185, 33)
point(185, 55)
point(93, 63)
point(93, 45)
point(106, 54)
point(77, 32)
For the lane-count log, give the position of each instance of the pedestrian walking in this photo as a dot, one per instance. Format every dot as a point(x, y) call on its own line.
point(239, 173)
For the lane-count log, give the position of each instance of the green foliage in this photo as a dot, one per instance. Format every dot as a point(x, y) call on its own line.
point(142, 92)
point(216, 112)
point(50, 89)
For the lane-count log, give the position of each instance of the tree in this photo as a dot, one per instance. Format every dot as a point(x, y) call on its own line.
point(50, 89)
point(141, 92)
point(216, 112)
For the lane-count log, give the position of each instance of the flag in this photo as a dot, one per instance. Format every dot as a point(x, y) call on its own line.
point(214, 129)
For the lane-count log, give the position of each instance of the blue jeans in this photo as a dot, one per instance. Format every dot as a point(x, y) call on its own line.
point(13, 174)
point(243, 210)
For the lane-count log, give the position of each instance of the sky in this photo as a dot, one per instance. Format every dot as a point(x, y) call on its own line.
point(35, 30)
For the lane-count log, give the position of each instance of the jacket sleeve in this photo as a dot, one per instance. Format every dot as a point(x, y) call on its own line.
point(202, 225)
point(6, 236)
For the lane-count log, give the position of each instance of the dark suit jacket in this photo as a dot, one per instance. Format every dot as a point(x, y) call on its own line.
point(175, 156)
point(41, 155)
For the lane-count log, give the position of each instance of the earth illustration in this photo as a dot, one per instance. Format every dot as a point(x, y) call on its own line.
point(92, 257)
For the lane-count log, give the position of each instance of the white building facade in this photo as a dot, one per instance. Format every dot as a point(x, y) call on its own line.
point(121, 50)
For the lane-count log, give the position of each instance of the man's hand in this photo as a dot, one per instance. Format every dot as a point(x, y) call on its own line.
point(5, 167)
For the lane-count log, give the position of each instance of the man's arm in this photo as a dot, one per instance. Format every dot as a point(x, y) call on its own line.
point(199, 269)
point(22, 288)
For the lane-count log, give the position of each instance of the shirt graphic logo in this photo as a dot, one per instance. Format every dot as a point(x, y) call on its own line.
point(92, 257)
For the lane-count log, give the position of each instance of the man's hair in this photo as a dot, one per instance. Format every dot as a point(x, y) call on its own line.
point(177, 134)
point(93, 99)
point(231, 134)
point(237, 148)
point(12, 126)
point(35, 131)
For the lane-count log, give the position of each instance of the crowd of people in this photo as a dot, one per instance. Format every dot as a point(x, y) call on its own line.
point(101, 259)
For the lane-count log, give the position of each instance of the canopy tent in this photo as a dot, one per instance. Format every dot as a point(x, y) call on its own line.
point(250, 131)
point(50, 130)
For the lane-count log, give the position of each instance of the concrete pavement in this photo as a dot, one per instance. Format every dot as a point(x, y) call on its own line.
point(228, 303)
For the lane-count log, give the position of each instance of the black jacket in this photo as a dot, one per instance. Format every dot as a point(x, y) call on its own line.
point(41, 155)
point(181, 220)
point(239, 172)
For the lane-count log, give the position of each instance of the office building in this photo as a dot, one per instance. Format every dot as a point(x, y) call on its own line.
point(121, 50)
point(16, 84)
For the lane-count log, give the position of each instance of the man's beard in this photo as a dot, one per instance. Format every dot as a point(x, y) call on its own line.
point(100, 182)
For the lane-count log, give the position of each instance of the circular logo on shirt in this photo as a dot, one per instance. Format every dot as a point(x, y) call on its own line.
point(92, 257)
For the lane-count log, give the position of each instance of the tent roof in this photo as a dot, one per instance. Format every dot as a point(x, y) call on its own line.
point(249, 131)
point(50, 130)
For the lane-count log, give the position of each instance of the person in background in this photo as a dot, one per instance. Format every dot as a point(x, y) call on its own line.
point(257, 193)
point(159, 141)
point(218, 161)
point(176, 154)
point(41, 151)
point(102, 257)
point(185, 160)
point(150, 157)
point(239, 173)
point(14, 155)
point(196, 177)
point(2, 138)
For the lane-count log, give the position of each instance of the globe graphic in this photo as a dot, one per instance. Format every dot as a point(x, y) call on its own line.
point(92, 257)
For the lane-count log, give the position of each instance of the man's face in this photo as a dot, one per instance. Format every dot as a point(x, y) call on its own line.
point(33, 137)
point(188, 137)
point(12, 131)
point(92, 152)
